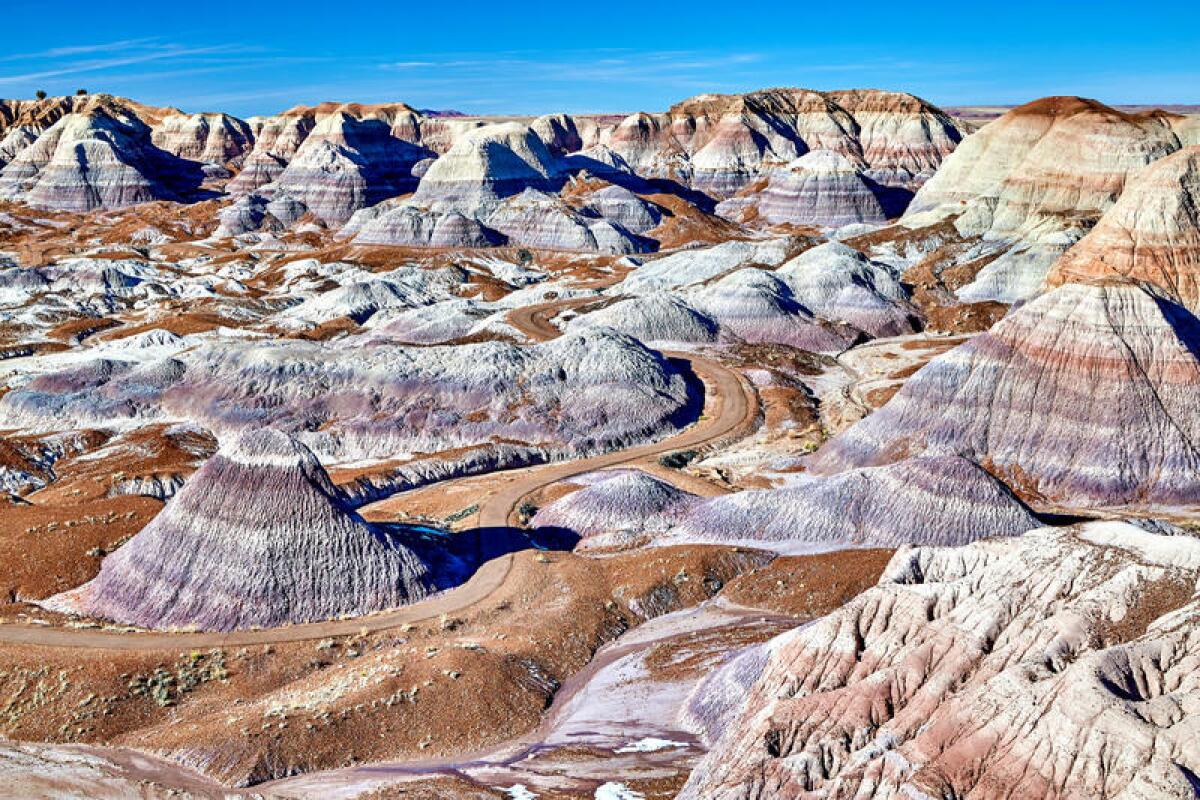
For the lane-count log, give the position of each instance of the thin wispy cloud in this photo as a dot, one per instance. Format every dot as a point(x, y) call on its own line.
point(668, 66)
point(83, 49)
point(97, 65)
point(648, 61)
point(55, 53)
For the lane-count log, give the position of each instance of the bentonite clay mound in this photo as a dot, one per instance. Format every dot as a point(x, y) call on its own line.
point(586, 391)
point(1058, 664)
point(259, 536)
point(822, 188)
point(933, 501)
point(1029, 185)
point(1151, 234)
point(1085, 397)
point(720, 143)
point(944, 501)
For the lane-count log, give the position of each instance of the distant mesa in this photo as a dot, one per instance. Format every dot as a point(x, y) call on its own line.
point(258, 536)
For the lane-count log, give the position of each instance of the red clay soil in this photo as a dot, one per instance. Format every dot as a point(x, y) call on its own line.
point(964, 318)
point(445, 687)
point(808, 587)
point(685, 224)
point(53, 539)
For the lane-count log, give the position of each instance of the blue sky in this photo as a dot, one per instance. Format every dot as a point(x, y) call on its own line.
point(617, 56)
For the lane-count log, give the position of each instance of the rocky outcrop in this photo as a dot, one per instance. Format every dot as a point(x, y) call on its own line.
point(14, 140)
point(283, 134)
point(259, 169)
point(406, 225)
point(559, 133)
point(750, 305)
point(1152, 233)
point(720, 143)
point(547, 222)
point(659, 317)
point(361, 299)
point(206, 138)
point(929, 501)
point(247, 213)
point(432, 324)
point(485, 166)
point(585, 392)
point(276, 140)
point(622, 208)
point(615, 508)
point(756, 306)
point(691, 267)
point(1061, 662)
point(259, 536)
point(1084, 397)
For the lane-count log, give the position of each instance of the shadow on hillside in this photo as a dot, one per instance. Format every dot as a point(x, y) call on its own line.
point(893, 200)
point(454, 557)
point(694, 408)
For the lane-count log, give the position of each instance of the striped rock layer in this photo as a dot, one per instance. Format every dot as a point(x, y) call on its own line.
point(347, 163)
point(938, 501)
point(1085, 397)
point(840, 284)
point(486, 166)
point(932, 501)
point(1151, 234)
point(822, 189)
point(756, 305)
point(98, 157)
point(259, 536)
point(720, 143)
point(658, 317)
point(614, 508)
point(750, 305)
point(1034, 181)
point(207, 138)
point(584, 392)
point(1058, 664)
point(332, 160)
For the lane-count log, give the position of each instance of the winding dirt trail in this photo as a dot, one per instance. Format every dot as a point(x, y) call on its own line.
point(729, 405)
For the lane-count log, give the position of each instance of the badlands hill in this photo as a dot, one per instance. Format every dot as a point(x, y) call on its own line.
point(259, 536)
point(1151, 234)
point(827, 159)
point(937, 501)
point(100, 155)
point(719, 143)
point(590, 391)
point(1022, 190)
point(1084, 397)
point(969, 671)
point(788, 440)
